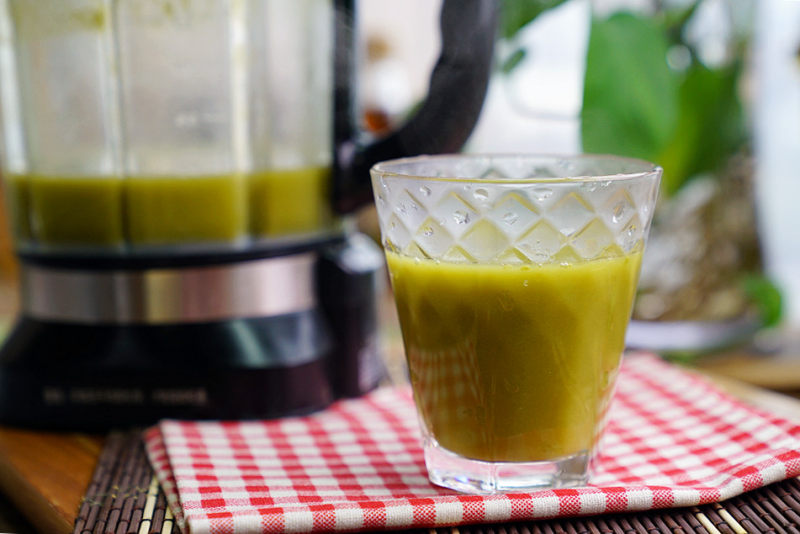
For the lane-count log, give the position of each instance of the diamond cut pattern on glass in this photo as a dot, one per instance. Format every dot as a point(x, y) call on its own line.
point(426, 194)
point(517, 168)
point(513, 214)
point(409, 209)
point(544, 196)
point(594, 240)
point(572, 213)
point(541, 242)
point(484, 241)
point(513, 256)
point(492, 172)
point(597, 192)
point(630, 238)
point(433, 238)
point(455, 214)
point(456, 254)
point(618, 209)
point(566, 256)
point(513, 223)
point(396, 237)
point(468, 168)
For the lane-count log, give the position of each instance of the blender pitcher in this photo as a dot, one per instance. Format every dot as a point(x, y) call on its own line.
point(177, 172)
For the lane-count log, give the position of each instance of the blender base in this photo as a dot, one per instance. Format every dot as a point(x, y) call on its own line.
point(95, 377)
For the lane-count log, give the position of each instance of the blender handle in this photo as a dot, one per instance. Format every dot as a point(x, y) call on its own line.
point(446, 118)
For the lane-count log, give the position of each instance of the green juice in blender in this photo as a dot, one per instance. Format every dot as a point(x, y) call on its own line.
point(513, 362)
point(185, 209)
point(289, 201)
point(75, 210)
point(167, 210)
point(17, 197)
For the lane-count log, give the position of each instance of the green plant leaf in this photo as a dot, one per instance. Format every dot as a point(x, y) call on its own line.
point(630, 97)
point(767, 298)
point(513, 60)
point(711, 125)
point(675, 20)
point(516, 14)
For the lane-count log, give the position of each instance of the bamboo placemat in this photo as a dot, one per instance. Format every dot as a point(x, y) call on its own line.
point(124, 498)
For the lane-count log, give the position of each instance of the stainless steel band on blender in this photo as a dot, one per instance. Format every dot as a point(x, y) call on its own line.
point(259, 288)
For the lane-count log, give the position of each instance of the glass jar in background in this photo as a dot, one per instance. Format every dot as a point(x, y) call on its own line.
point(117, 139)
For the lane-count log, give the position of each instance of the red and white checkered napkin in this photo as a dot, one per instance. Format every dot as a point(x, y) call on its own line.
point(673, 440)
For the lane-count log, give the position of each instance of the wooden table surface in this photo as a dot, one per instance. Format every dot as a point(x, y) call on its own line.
point(46, 474)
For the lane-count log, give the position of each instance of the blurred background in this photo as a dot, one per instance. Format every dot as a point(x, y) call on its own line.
point(709, 89)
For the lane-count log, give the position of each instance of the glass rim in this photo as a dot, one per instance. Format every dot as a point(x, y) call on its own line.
point(393, 168)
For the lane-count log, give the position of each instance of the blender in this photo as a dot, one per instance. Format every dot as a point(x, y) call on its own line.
point(178, 174)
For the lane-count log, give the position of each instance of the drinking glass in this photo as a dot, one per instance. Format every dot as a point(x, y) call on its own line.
point(514, 278)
